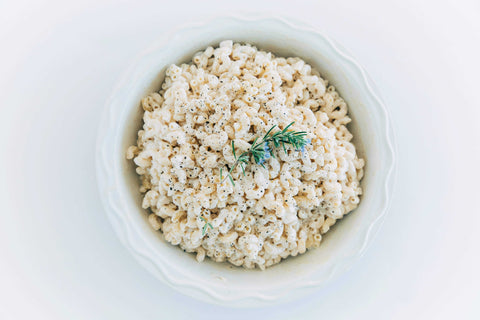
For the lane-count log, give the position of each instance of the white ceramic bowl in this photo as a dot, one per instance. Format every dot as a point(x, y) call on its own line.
point(223, 283)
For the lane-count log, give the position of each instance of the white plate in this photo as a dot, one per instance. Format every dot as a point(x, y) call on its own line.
point(222, 283)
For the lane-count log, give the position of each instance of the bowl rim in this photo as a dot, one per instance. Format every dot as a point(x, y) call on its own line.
point(106, 176)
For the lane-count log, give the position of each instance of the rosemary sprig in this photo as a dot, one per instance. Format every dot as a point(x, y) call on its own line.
point(207, 224)
point(261, 151)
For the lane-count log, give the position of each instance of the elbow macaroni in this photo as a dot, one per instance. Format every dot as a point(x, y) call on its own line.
point(236, 93)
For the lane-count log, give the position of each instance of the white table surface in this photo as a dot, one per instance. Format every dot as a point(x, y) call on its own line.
point(59, 258)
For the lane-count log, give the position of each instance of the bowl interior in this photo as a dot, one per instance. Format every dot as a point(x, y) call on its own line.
point(147, 76)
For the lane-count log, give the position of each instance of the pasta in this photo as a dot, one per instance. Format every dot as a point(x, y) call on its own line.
point(236, 92)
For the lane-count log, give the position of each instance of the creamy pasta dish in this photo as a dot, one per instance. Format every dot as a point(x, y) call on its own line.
point(265, 211)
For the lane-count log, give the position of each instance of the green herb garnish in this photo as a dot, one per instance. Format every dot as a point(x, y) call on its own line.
point(261, 151)
point(207, 224)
